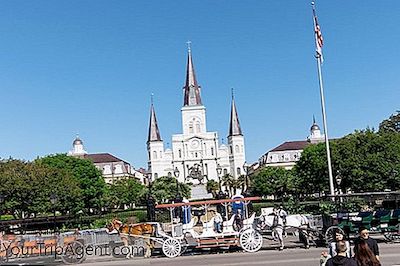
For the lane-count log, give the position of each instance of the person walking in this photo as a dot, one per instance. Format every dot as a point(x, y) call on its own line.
point(277, 228)
point(365, 256)
point(364, 236)
point(340, 259)
point(339, 236)
point(332, 251)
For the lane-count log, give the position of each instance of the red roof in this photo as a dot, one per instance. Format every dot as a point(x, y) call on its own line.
point(292, 145)
point(103, 158)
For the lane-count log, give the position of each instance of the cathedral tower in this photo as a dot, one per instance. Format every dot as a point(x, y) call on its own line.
point(237, 155)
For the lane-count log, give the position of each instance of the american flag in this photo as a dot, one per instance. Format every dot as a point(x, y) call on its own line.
point(319, 41)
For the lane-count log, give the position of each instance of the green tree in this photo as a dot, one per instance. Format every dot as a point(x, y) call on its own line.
point(125, 192)
point(275, 181)
point(228, 182)
point(311, 170)
point(27, 188)
point(164, 188)
point(85, 173)
point(365, 160)
point(369, 161)
point(212, 187)
point(392, 124)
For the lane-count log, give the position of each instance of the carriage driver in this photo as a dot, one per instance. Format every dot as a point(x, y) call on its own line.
point(282, 213)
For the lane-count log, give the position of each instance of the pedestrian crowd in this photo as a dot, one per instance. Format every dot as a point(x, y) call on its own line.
point(366, 251)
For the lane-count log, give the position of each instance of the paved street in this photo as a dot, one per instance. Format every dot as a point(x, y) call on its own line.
point(269, 255)
point(297, 257)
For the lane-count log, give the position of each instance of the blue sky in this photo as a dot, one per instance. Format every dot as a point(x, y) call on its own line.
point(89, 67)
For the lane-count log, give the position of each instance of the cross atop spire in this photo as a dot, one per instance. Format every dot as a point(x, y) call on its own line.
point(234, 126)
point(189, 44)
point(191, 88)
point(154, 132)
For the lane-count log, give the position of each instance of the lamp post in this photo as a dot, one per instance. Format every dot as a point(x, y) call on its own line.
point(219, 171)
point(54, 200)
point(246, 180)
point(338, 182)
point(151, 213)
point(176, 174)
point(2, 198)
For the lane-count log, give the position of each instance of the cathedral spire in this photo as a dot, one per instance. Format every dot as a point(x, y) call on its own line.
point(154, 133)
point(192, 89)
point(234, 126)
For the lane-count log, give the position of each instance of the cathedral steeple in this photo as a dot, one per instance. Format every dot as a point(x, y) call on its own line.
point(154, 132)
point(192, 89)
point(234, 126)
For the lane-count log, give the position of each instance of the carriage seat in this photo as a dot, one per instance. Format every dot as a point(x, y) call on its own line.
point(228, 225)
point(208, 228)
point(396, 215)
point(209, 223)
point(383, 216)
point(190, 225)
point(248, 223)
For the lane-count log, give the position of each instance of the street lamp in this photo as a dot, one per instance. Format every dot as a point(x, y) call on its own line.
point(176, 174)
point(338, 182)
point(151, 213)
point(219, 171)
point(54, 200)
point(246, 170)
point(2, 198)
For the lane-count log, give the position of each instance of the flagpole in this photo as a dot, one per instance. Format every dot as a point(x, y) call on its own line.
point(321, 92)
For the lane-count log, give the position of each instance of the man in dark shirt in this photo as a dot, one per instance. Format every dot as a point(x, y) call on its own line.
point(340, 259)
point(372, 244)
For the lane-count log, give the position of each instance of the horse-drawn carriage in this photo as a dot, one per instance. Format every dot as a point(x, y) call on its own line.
point(176, 237)
point(386, 222)
point(212, 232)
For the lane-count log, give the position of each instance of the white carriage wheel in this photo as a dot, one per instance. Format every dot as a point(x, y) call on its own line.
point(250, 240)
point(171, 247)
point(330, 233)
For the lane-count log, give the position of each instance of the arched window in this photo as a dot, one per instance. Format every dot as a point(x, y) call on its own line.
point(160, 154)
point(191, 127)
point(154, 155)
point(107, 170)
point(180, 153)
point(118, 169)
point(197, 127)
point(237, 148)
point(231, 149)
point(155, 175)
point(225, 171)
point(169, 174)
point(238, 171)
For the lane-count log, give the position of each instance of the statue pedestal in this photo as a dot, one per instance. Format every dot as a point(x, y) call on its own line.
point(200, 192)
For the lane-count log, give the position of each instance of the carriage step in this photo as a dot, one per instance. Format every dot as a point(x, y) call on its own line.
point(217, 242)
point(218, 245)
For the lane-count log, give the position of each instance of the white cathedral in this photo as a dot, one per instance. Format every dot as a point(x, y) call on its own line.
point(195, 152)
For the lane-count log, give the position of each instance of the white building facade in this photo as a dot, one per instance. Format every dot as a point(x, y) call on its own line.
point(195, 150)
point(111, 167)
point(288, 153)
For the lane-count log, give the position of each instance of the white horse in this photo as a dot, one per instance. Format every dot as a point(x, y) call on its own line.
point(297, 221)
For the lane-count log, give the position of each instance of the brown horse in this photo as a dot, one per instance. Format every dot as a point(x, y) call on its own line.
point(133, 230)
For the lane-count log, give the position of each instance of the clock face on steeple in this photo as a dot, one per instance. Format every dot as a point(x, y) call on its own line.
point(194, 144)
